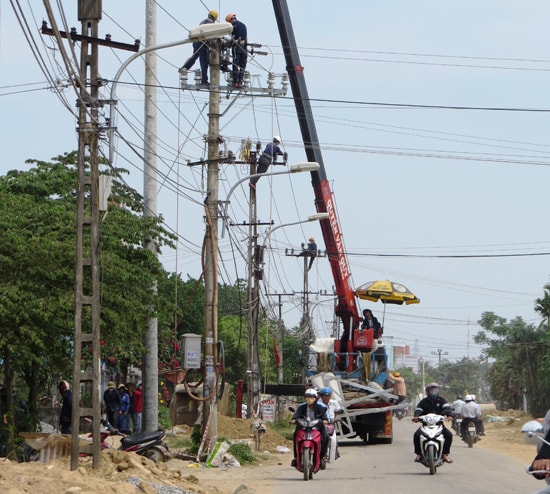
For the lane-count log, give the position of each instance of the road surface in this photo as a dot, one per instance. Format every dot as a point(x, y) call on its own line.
point(390, 468)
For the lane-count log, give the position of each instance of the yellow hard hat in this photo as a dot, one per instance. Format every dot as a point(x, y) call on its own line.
point(228, 17)
point(213, 14)
point(397, 374)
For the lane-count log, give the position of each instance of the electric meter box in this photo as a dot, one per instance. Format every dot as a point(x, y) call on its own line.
point(191, 351)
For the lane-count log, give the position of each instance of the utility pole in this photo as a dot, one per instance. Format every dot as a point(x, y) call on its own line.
point(87, 279)
point(305, 322)
point(255, 257)
point(150, 340)
point(210, 408)
point(440, 352)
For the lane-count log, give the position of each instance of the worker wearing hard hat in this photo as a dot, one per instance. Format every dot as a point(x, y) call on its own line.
point(310, 251)
point(201, 51)
point(268, 157)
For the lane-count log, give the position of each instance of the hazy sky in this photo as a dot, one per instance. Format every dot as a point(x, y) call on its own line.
point(432, 121)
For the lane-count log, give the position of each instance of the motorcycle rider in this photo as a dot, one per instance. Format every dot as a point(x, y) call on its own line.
point(333, 409)
point(542, 460)
point(433, 403)
point(313, 410)
point(471, 412)
point(457, 409)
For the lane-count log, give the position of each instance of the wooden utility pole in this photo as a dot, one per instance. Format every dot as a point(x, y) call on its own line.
point(86, 374)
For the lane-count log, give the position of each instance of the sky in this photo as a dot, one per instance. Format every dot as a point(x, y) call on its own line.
point(431, 118)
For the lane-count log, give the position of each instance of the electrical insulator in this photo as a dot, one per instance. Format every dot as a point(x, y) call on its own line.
point(198, 76)
point(285, 81)
point(271, 80)
point(246, 78)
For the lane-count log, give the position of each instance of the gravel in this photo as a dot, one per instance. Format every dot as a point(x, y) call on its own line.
point(161, 489)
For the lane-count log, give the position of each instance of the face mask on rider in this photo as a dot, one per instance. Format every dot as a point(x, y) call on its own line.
point(310, 400)
point(433, 393)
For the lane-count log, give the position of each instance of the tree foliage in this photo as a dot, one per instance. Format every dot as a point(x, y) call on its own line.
point(518, 352)
point(37, 271)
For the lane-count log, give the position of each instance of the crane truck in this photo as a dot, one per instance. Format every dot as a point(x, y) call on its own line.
point(355, 364)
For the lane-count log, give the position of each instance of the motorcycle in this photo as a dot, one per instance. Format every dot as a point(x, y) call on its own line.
point(457, 423)
point(148, 444)
point(308, 447)
point(332, 450)
point(470, 435)
point(431, 441)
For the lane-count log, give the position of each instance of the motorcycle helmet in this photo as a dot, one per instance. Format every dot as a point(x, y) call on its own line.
point(277, 140)
point(310, 396)
point(468, 398)
point(325, 391)
point(432, 390)
point(213, 14)
point(64, 386)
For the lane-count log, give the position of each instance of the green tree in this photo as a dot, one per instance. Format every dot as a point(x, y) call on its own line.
point(37, 264)
point(518, 350)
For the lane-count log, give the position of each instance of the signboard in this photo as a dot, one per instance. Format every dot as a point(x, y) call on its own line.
point(267, 406)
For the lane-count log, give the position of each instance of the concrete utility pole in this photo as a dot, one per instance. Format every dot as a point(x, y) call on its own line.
point(210, 409)
point(255, 255)
point(150, 339)
point(86, 375)
point(305, 322)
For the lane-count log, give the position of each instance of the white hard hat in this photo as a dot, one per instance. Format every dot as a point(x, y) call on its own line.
point(276, 139)
point(310, 392)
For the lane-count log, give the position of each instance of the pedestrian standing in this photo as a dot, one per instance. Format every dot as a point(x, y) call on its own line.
point(124, 408)
point(239, 45)
point(65, 416)
point(111, 403)
point(138, 407)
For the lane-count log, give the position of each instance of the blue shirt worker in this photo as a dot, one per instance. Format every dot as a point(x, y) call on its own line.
point(240, 55)
point(201, 50)
point(124, 408)
point(268, 157)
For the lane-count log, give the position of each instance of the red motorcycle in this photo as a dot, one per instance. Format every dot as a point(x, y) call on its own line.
point(308, 446)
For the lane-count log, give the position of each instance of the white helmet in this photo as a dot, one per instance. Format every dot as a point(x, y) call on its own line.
point(311, 392)
point(277, 139)
point(469, 398)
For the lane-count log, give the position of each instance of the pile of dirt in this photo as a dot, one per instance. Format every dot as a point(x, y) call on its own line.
point(119, 472)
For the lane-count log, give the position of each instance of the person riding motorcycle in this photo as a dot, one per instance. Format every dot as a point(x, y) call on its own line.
point(471, 412)
point(433, 403)
point(457, 408)
point(333, 409)
point(313, 410)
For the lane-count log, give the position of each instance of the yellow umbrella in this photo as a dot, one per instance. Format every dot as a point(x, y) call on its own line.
point(388, 292)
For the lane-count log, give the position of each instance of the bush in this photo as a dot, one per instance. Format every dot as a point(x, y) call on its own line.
point(242, 452)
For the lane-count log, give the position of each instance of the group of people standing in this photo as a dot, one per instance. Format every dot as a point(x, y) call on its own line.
point(123, 406)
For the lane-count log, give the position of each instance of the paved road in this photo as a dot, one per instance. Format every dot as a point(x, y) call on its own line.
point(390, 468)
